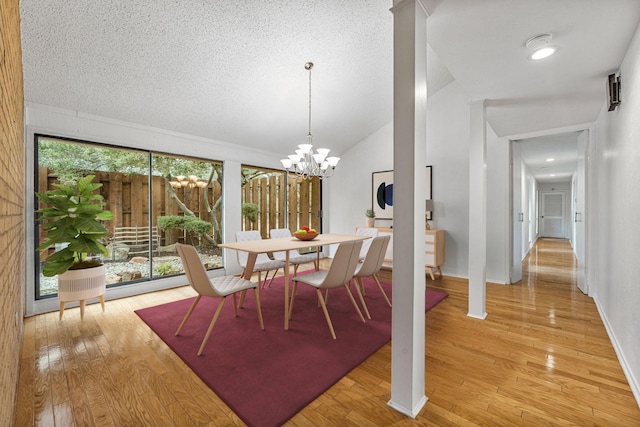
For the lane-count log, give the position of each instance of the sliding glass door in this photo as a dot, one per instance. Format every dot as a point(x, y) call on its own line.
point(157, 200)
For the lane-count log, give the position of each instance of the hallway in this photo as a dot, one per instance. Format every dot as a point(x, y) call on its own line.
point(541, 357)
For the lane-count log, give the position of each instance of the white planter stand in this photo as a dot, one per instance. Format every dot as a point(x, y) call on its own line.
point(80, 285)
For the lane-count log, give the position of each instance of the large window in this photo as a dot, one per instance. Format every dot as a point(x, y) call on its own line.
point(271, 199)
point(157, 200)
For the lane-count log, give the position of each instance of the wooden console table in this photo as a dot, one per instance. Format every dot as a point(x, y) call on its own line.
point(433, 252)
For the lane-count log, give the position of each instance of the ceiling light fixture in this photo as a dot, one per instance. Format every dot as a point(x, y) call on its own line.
point(550, 159)
point(539, 47)
point(305, 163)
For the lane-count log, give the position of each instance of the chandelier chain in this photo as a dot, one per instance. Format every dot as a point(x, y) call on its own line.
point(309, 66)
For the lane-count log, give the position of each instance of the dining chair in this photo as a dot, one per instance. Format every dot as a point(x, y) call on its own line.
point(263, 262)
point(339, 273)
point(295, 260)
point(218, 287)
point(371, 266)
point(369, 232)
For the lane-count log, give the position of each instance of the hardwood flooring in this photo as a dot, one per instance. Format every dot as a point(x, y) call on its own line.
point(541, 358)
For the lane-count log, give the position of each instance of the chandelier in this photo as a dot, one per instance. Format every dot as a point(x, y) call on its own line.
point(305, 162)
point(191, 181)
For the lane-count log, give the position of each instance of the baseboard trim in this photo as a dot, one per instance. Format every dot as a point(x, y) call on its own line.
point(413, 413)
point(628, 373)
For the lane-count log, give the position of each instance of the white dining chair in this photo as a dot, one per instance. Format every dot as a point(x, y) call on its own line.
point(294, 258)
point(371, 266)
point(340, 273)
point(263, 262)
point(218, 287)
point(369, 232)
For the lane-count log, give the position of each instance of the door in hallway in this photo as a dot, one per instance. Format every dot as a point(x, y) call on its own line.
point(552, 217)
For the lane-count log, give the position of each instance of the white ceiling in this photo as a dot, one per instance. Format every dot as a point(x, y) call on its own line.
point(234, 70)
point(551, 158)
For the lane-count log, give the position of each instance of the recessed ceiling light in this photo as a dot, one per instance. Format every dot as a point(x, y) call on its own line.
point(539, 46)
point(552, 174)
point(550, 159)
point(543, 53)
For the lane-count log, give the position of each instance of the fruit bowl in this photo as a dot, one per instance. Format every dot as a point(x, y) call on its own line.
point(306, 236)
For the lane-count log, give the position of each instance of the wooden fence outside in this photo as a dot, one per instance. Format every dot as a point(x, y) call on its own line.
point(127, 197)
point(302, 203)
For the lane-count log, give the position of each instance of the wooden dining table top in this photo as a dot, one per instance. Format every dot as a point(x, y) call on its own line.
point(290, 243)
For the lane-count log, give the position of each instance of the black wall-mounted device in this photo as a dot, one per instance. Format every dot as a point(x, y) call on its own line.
point(614, 91)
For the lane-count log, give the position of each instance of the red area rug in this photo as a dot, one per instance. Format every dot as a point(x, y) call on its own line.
point(266, 377)
point(432, 298)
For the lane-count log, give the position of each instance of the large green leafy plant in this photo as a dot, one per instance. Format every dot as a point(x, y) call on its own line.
point(71, 219)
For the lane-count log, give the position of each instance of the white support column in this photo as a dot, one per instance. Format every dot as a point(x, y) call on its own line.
point(477, 211)
point(409, 194)
point(232, 203)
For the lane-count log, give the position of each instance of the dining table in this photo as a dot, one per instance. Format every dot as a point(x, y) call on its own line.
point(285, 244)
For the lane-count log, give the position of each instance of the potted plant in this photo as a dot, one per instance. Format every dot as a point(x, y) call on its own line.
point(71, 221)
point(371, 217)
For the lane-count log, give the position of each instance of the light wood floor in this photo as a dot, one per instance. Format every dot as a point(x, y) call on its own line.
point(541, 357)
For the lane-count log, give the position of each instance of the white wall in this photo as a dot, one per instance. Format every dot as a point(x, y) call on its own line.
point(349, 190)
point(498, 179)
point(617, 238)
point(447, 151)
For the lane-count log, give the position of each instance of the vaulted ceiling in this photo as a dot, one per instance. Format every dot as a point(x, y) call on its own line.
point(234, 70)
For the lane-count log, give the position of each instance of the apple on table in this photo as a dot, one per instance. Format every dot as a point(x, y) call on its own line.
point(306, 230)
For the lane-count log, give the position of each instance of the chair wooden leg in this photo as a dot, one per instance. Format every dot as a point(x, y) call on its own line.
point(364, 304)
point(326, 313)
point(242, 295)
point(61, 309)
point(235, 306)
point(384, 294)
point(260, 278)
point(293, 295)
point(102, 302)
point(256, 293)
point(186, 317)
point(353, 301)
point(272, 277)
point(213, 322)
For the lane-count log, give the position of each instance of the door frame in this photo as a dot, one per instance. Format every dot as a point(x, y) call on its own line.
point(540, 213)
point(587, 143)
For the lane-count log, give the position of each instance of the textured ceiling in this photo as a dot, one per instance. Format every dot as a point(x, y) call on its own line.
point(234, 70)
point(226, 70)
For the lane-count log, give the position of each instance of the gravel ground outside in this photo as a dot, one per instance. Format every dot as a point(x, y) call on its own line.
point(138, 267)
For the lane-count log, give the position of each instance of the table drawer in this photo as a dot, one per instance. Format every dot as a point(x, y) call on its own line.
point(430, 259)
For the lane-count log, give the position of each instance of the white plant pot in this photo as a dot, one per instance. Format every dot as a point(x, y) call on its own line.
point(80, 285)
